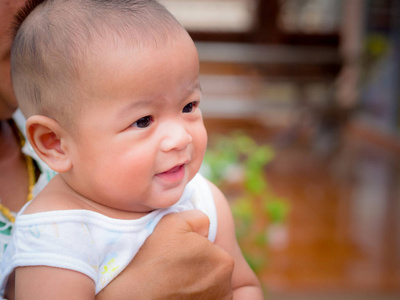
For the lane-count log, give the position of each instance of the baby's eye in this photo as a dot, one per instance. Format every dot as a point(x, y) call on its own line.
point(190, 107)
point(143, 122)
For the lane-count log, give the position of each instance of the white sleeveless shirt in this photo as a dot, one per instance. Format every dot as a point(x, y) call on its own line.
point(91, 243)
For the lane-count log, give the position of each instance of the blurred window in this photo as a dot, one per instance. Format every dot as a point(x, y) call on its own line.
point(287, 22)
point(230, 16)
point(310, 16)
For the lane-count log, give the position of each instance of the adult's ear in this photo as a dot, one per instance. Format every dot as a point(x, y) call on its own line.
point(48, 139)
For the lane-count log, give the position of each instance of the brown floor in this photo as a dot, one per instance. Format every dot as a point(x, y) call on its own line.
point(343, 232)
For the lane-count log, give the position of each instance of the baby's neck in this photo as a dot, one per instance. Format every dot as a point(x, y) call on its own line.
point(111, 212)
point(58, 195)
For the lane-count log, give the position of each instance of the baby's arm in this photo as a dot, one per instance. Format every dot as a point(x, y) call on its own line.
point(245, 284)
point(52, 283)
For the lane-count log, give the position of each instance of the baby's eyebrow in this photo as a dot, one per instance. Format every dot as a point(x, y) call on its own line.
point(190, 92)
point(194, 88)
point(147, 102)
point(137, 104)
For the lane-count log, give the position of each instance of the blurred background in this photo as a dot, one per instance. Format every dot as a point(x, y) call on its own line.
point(301, 103)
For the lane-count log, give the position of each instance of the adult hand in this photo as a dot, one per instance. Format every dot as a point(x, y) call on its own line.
point(177, 261)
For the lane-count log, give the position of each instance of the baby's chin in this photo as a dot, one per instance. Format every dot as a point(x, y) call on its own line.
point(169, 199)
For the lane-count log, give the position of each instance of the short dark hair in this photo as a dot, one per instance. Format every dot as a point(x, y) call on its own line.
point(54, 37)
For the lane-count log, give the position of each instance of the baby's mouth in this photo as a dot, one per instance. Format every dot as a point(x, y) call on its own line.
point(173, 170)
point(174, 174)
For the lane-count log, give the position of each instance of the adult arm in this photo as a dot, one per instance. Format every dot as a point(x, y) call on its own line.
point(177, 261)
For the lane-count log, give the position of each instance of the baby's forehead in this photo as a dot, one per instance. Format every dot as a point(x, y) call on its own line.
point(85, 60)
point(107, 59)
point(140, 72)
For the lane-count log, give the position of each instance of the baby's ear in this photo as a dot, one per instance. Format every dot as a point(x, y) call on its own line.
point(48, 139)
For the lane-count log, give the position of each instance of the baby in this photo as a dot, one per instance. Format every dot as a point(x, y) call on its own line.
point(112, 95)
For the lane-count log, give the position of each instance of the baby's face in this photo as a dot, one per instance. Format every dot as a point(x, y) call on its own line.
point(142, 138)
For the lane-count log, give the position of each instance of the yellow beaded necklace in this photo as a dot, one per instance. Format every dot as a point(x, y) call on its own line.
point(31, 180)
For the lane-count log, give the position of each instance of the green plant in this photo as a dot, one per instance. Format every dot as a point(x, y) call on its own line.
point(236, 163)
